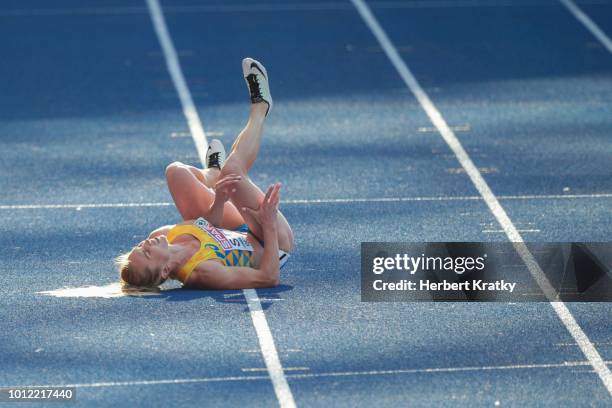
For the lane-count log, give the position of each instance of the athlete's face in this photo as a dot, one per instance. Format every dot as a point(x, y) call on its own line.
point(150, 257)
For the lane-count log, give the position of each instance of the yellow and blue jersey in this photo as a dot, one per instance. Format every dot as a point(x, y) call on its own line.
point(230, 248)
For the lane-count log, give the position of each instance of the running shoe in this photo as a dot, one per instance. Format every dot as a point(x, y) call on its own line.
point(215, 154)
point(256, 78)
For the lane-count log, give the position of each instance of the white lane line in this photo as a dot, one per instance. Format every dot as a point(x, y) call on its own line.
point(443, 198)
point(492, 202)
point(588, 23)
point(519, 230)
point(287, 369)
point(80, 206)
point(458, 128)
point(264, 335)
point(432, 370)
point(174, 68)
point(315, 201)
point(601, 343)
point(268, 350)
point(442, 370)
point(282, 351)
point(156, 382)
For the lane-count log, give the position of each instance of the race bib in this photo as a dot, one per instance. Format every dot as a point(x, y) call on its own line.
point(228, 240)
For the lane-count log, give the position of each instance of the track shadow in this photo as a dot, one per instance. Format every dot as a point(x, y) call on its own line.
point(267, 296)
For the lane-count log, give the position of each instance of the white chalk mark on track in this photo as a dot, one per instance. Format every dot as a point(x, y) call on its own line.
point(80, 206)
point(266, 342)
point(492, 202)
point(432, 370)
point(286, 369)
point(268, 349)
point(318, 201)
point(174, 68)
point(502, 231)
point(588, 23)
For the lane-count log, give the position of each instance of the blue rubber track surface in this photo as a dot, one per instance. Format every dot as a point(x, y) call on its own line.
point(89, 117)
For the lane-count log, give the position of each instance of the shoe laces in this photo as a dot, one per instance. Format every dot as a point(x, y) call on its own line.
point(254, 87)
point(214, 160)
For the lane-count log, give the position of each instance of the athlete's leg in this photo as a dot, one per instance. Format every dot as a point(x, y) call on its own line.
point(208, 177)
point(192, 192)
point(215, 157)
point(247, 194)
point(246, 145)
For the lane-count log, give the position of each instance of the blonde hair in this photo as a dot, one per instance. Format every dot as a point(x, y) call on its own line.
point(131, 277)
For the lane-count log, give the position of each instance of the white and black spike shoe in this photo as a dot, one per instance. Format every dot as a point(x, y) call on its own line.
point(215, 155)
point(256, 77)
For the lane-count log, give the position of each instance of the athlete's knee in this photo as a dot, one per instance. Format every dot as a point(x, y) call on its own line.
point(173, 168)
point(285, 237)
point(233, 166)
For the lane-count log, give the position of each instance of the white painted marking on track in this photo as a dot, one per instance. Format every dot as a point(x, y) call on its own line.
point(174, 68)
point(542, 295)
point(268, 349)
point(482, 170)
point(599, 343)
point(485, 191)
point(458, 128)
point(317, 201)
point(235, 300)
point(519, 230)
point(431, 370)
point(588, 23)
point(175, 135)
point(264, 335)
point(282, 351)
point(256, 369)
point(80, 206)
point(443, 370)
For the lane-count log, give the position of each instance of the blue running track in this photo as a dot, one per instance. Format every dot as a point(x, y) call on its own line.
point(89, 118)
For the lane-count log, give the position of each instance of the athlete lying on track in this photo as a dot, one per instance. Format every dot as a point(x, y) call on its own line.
point(233, 236)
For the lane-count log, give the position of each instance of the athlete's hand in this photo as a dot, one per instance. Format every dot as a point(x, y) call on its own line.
point(267, 213)
point(225, 187)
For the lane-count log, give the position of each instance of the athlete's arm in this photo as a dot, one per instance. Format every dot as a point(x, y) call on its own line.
point(223, 189)
point(213, 275)
point(267, 217)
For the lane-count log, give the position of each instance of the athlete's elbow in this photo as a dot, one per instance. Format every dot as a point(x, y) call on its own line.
point(274, 277)
point(271, 284)
point(268, 281)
